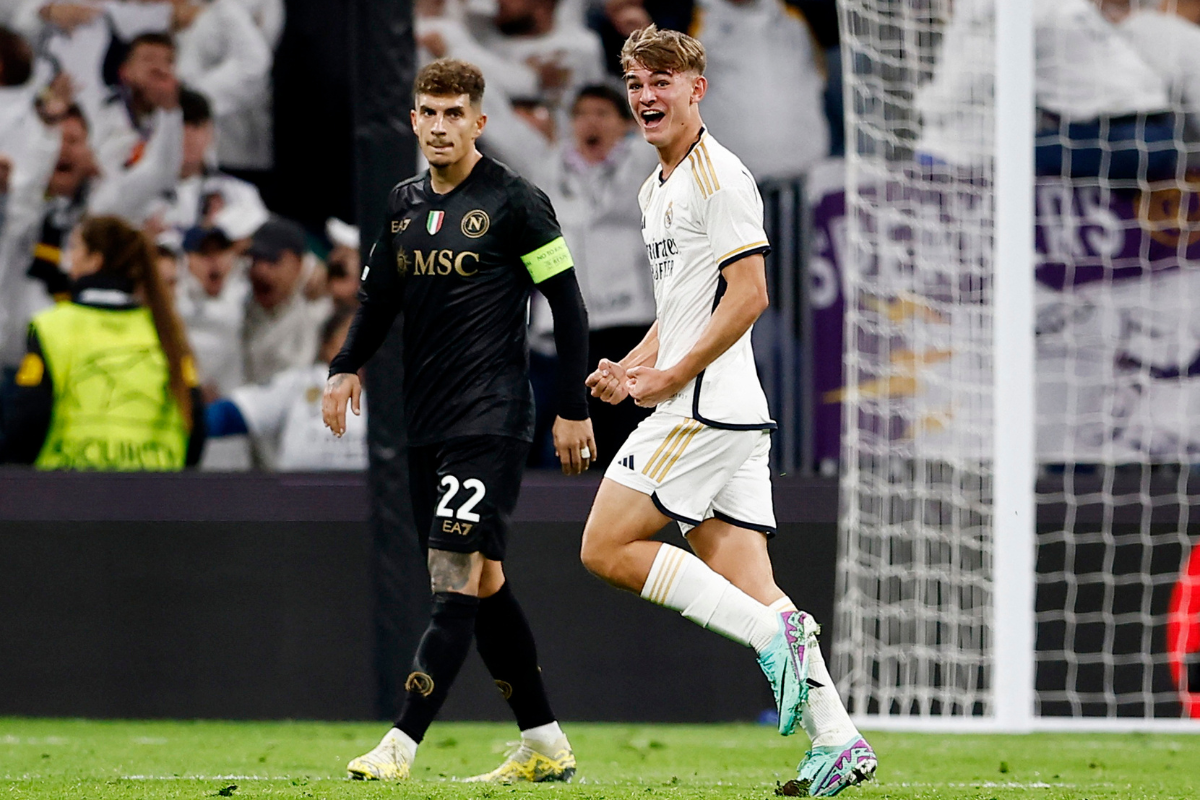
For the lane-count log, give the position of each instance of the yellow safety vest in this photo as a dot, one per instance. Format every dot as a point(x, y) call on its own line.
point(113, 406)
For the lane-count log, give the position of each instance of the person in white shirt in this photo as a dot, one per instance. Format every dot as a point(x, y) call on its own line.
point(29, 144)
point(80, 37)
point(210, 296)
point(1168, 39)
point(202, 191)
point(702, 457)
point(762, 54)
point(592, 179)
point(224, 56)
point(284, 414)
point(1102, 110)
point(138, 135)
point(282, 323)
point(525, 48)
point(342, 265)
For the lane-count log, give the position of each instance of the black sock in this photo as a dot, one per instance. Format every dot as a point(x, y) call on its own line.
point(440, 656)
point(505, 642)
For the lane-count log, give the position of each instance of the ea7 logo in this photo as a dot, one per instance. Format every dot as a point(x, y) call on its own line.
point(398, 225)
point(475, 224)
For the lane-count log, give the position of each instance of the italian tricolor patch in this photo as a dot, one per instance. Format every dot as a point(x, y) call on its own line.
point(434, 223)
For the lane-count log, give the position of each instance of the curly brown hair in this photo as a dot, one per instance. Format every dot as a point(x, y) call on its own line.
point(450, 77)
point(670, 51)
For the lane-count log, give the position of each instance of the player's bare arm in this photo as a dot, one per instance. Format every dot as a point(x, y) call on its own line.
point(744, 301)
point(341, 390)
point(607, 382)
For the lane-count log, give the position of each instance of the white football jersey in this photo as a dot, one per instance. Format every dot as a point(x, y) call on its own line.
point(702, 218)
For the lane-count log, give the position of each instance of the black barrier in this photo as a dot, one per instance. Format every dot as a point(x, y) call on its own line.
point(249, 597)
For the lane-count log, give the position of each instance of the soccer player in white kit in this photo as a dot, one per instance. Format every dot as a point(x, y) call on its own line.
point(702, 457)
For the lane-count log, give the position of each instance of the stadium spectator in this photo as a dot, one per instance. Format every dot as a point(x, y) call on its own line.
point(224, 56)
point(211, 296)
point(117, 343)
point(168, 251)
point(565, 55)
point(761, 54)
point(138, 134)
point(86, 40)
point(342, 266)
point(246, 144)
point(62, 208)
point(592, 180)
point(284, 415)
point(1102, 110)
point(203, 192)
point(28, 146)
point(1168, 40)
point(525, 48)
point(282, 323)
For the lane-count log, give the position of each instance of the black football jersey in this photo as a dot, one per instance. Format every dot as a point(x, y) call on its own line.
point(460, 266)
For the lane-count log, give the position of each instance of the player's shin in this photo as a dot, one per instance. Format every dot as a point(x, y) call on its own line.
point(439, 657)
point(506, 645)
point(680, 581)
point(825, 719)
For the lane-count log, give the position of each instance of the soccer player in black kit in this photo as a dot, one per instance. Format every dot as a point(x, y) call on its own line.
point(462, 247)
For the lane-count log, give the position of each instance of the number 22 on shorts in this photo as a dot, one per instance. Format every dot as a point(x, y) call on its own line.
point(462, 520)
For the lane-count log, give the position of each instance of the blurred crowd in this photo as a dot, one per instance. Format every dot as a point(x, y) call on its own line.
point(159, 113)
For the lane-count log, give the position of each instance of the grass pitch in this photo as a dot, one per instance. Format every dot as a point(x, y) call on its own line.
point(103, 760)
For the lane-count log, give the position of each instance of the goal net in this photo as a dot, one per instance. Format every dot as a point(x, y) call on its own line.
point(1115, 220)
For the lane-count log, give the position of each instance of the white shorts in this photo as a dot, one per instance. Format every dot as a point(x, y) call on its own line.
point(693, 472)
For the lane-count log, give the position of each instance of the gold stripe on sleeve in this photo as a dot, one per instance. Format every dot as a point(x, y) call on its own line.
point(712, 172)
point(698, 174)
point(741, 249)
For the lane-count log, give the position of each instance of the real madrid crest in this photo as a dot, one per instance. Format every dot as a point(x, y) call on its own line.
point(475, 224)
point(667, 217)
point(402, 262)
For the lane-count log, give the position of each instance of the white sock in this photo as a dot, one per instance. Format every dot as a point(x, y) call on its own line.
point(684, 583)
point(825, 719)
point(543, 734)
point(404, 742)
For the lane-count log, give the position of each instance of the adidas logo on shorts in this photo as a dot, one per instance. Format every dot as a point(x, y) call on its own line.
point(627, 462)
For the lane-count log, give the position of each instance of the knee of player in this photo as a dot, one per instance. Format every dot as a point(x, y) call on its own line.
point(596, 557)
point(454, 572)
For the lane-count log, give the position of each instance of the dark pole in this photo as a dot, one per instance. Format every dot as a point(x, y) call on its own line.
point(383, 58)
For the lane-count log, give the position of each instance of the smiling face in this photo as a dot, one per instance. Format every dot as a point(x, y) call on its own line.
point(446, 127)
point(665, 103)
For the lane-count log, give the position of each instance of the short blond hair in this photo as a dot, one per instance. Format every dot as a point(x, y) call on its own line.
point(668, 51)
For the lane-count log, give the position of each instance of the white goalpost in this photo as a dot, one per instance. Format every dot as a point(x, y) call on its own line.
point(1022, 384)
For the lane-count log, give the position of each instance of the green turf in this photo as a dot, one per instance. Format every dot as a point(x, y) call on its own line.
point(102, 760)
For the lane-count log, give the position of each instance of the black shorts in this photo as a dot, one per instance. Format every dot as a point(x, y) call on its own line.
point(464, 491)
